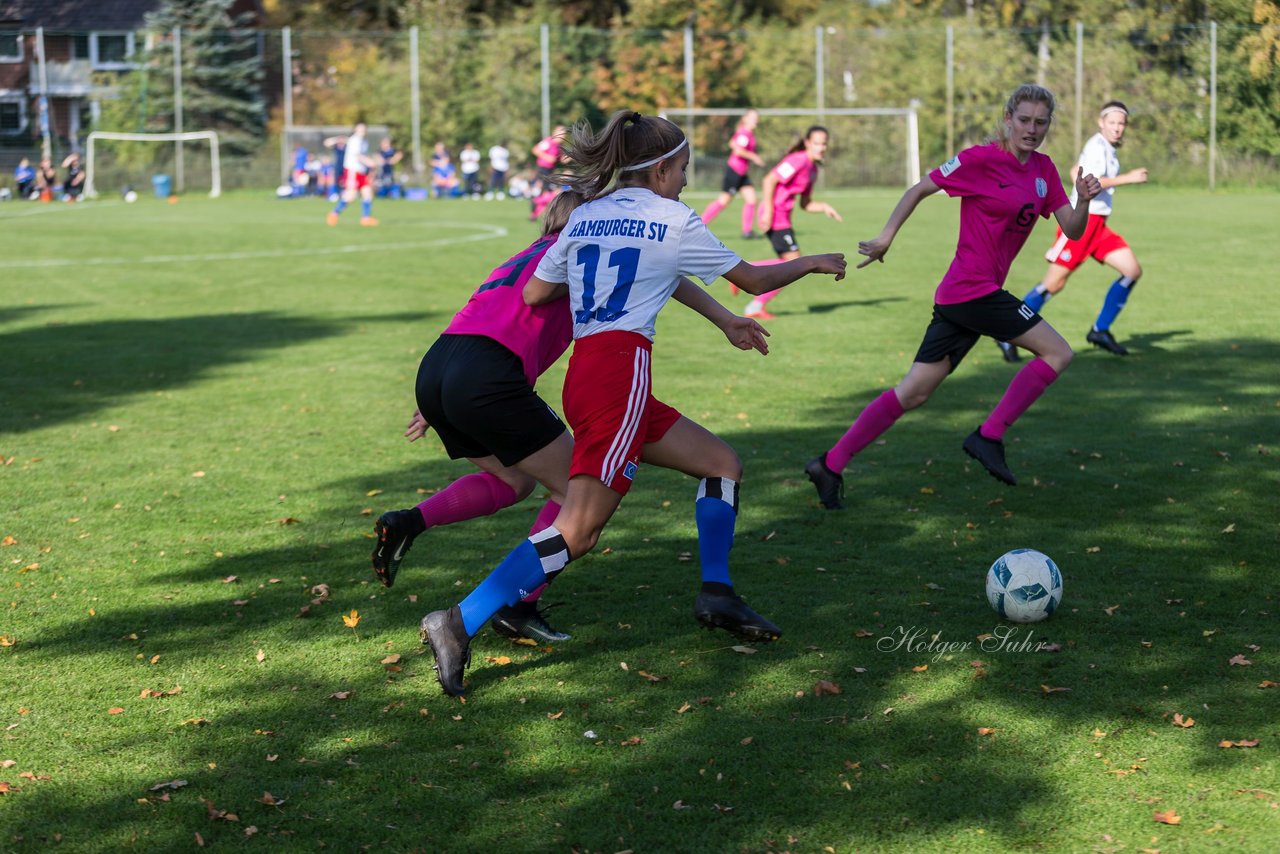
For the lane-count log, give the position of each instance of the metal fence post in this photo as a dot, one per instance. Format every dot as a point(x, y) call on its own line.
point(1213, 105)
point(545, 38)
point(951, 90)
point(286, 49)
point(415, 100)
point(1079, 85)
point(178, 172)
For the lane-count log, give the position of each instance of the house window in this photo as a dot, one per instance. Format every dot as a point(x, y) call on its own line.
point(111, 50)
point(13, 116)
point(10, 45)
point(80, 46)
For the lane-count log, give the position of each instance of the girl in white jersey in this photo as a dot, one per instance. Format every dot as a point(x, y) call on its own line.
point(620, 258)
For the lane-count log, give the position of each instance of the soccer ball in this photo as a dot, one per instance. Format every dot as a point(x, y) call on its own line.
point(131, 197)
point(1024, 586)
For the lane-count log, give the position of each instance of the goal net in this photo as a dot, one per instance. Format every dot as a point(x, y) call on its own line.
point(116, 161)
point(869, 146)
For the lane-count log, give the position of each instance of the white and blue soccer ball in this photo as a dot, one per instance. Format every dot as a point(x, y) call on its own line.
point(130, 197)
point(1024, 586)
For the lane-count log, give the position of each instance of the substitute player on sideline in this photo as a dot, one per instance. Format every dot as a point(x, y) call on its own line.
point(737, 175)
point(620, 258)
point(1004, 186)
point(356, 166)
point(1098, 242)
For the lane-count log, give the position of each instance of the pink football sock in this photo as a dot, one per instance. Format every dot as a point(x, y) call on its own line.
point(712, 211)
point(748, 218)
point(877, 417)
point(468, 497)
point(1027, 385)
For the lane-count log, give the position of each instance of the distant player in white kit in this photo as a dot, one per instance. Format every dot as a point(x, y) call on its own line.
point(356, 166)
point(620, 258)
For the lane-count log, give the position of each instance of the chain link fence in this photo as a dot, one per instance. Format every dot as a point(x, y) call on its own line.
point(1200, 115)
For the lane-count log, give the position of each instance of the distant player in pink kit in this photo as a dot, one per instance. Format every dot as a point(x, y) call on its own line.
point(737, 177)
point(1004, 186)
point(789, 183)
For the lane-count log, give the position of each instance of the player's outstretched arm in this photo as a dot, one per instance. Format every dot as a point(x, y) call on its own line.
point(1072, 220)
point(877, 247)
point(742, 332)
point(538, 292)
point(760, 279)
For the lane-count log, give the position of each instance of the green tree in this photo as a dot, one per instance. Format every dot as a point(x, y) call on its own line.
point(221, 73)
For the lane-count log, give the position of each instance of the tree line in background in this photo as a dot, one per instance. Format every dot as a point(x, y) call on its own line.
point(480, 65)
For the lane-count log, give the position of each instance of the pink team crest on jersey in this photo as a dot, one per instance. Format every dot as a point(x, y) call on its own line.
point(1042, 188)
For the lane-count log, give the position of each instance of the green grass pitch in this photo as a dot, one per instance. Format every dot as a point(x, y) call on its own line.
point(201, 409)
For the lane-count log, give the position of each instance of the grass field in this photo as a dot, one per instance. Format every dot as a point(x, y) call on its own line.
point(200, 415)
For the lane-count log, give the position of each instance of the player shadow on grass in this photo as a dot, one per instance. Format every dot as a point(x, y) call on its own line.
point(829, 307)
point(64, 372)
point(748, 762)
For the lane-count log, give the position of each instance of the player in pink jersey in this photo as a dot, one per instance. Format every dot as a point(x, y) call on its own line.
point(620, 258)
point(788, 184)
point(476, 386)
point(1004, 185)
point(737, 177)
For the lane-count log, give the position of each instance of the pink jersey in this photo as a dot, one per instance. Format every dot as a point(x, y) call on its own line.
point(1000, 200)
point(746, 140)
point(538, 334)
point(548, 152)
point(795, 174)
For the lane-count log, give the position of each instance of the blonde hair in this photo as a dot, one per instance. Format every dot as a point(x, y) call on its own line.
point(556, 216)
point(1024, 93)
point(627, 140)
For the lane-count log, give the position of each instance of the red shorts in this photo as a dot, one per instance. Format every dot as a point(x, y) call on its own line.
point(353, 180)
point(611, 408)
point(1097, 242)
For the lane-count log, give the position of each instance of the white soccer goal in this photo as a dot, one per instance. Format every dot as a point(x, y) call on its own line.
point(215, 168)
point(901, 131)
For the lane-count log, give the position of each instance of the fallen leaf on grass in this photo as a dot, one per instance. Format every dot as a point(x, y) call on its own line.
point(631, 742)
point(8, 540)
point(921, 668)
point(195, 722)
point(230, 578)
point(270, 800)
point(555, 716)
point(148, 692)
point(681, 805)
point(7, 640)
point(1167, 817)
point(747, 740)
point(8, 763)
point(1051, 690)
point(1185, 723)
point(115, 710)
point(1267, 683)
point(199, 840)
point(744, 650)
point(863, 633)
point(1111, 609)
point(823, 688)
point(393, 658)
point(260, 656)
point(351, 620)
point(33, 777)
point(498, 659)
point(652, 677)
point(986, 730)
point(169, 784)
point(250, 830)
point(683, 708)
point(1248, 742)
point(1240, 661)
point(5, 788)
point(340, 695)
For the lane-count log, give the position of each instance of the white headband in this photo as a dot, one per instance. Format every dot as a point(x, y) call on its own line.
point(648, 163)
point(1113, 108)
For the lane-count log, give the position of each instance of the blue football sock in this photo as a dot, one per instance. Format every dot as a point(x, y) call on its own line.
point(1117, 296)
point(366, 207)
point(716, 512)
point(1037, 297)
point(529, 565)
point(338, 208)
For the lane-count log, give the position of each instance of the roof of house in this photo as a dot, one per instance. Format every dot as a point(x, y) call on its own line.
point(76, 15)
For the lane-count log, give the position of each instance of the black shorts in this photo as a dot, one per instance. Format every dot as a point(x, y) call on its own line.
point(733, 182)
point(955, 328)
point(473, 392)
point(783, 241)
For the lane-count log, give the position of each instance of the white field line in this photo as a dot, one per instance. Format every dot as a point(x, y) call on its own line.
point(489, 232)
